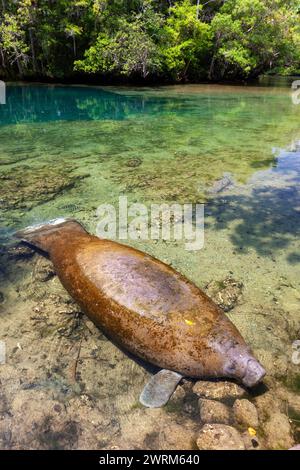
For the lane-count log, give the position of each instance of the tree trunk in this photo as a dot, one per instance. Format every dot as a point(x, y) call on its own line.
point(2, 58)
point(32, 50)
point(20, 68)
point(211, 68)
point(198, 9)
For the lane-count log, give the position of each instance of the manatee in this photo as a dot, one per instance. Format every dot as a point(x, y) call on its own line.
point(147, 308)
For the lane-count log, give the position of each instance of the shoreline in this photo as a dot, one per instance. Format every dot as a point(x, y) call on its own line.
point(262, 80)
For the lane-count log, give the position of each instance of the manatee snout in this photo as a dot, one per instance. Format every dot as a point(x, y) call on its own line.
point(254, 373)
point(242, 365)
point(246, 369)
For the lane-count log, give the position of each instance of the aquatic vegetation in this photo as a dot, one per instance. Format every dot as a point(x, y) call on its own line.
point(25, 187)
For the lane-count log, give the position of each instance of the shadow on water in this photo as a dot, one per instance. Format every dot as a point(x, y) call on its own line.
point(266, 219)
point(294, 258)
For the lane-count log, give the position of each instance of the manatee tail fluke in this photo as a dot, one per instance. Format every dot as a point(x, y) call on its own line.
point(42, 235)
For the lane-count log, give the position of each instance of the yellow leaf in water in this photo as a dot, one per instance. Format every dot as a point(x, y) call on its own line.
point(190, 322)
point(252, 432)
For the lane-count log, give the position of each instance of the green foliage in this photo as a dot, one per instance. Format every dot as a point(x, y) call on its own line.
point(254, 36)
point(13, 41)
point(132, 49)
point(187, 39)
point(165, 39)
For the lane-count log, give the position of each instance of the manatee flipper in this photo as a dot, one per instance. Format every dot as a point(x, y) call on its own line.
point(160, 388)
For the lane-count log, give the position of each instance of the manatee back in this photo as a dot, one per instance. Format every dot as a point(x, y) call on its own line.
point(142, 284)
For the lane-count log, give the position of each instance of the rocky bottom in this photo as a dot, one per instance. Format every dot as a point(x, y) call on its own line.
point(65, 386)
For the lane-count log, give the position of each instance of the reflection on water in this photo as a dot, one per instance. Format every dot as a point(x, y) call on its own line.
point(66, 150)
point(28, 104)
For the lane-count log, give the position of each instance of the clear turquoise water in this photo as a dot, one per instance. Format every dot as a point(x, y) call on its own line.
point(65, 150)
point(183, 137)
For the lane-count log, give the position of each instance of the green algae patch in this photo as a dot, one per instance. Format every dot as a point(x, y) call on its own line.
point(24, 188)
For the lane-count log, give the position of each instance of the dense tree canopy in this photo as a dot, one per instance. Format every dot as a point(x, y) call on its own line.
point(149, 39)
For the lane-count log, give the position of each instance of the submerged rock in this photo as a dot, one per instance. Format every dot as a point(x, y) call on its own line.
point(245, 413)
point(219, 437)
point(175, 436)
point(268, 401)
point(2, 298)
point(222, 390)
point(212, 411)
point(134, 162)
point(43, 270)
point(225, 293)
point(222, 184)
point(278, 432)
